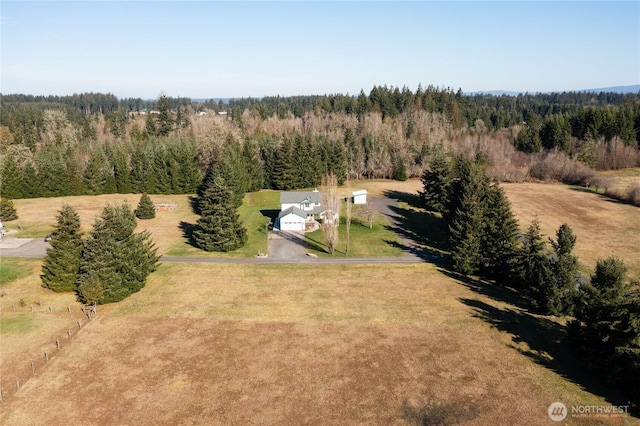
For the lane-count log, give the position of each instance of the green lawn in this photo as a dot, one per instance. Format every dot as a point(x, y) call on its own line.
point(18, 324)
point(255, 214)
point(377, 241)
point(13, 268)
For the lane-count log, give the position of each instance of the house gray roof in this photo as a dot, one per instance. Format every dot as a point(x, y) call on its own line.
point(291, 197)
point(293, 210)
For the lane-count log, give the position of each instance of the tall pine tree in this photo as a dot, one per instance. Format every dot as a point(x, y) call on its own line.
point(62, 262)
point(219, 227)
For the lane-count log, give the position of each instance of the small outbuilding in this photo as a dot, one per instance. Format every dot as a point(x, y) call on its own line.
point(360, 197)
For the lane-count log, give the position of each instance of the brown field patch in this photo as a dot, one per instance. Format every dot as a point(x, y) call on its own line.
point(603, 227)
point(250, 344)
point(37, 215)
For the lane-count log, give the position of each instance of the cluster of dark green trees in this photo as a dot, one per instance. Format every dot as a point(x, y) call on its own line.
point(556, 130)
point(109, 265)
point(485, 240)
point(155, 166)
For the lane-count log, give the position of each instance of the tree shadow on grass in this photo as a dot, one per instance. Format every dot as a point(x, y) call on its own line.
point(546, 343)
point(603, 197)
point(494, 290)
point(411, 199)
point(187, 232)
point(425, 234)
point(314, 244)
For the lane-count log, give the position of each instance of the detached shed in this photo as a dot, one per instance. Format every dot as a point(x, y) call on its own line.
point(360, 197)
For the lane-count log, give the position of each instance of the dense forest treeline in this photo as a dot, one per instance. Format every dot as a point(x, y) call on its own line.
point(96, 143)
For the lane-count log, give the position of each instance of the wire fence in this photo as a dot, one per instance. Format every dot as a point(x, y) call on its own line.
point(12, 380)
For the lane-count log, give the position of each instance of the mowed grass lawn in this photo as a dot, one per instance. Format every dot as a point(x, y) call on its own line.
point(305, 344)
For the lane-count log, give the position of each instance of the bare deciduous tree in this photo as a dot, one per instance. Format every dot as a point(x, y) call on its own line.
point(331, 206)
point(369, 213)
point(348, 217)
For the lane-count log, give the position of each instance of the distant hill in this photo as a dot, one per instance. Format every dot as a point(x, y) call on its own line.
point(615, 89)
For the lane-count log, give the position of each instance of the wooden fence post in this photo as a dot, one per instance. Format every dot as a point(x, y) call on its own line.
point(46, 356)
point(33, 368)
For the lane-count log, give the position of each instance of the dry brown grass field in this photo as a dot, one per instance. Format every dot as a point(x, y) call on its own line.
point(302, 344)
point(604, 227)
point(351, 344)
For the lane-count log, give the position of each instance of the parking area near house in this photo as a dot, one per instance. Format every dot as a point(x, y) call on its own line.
point(287, 245)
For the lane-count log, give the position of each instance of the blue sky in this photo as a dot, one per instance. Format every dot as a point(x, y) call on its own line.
point(211, 49)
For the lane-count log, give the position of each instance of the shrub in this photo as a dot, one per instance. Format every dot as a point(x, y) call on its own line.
point(633, 194)
point(557, 165)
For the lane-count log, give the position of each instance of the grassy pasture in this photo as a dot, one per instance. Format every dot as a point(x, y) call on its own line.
point(348, 344)
point(603, 227)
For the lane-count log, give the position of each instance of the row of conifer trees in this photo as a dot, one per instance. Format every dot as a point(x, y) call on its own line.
point(603, 311)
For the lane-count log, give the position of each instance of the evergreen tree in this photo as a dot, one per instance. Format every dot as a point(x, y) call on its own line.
point(565, 268)
point(141, 166)
point(11, 178)
point(29, 185)
point(529, 137)
point(436, 182)
point(150, 129)
point(52, 174)
point(121, 171)
point(254, 169)
point(500, 237)
point(285, 175)
point(7, 210)
point(145, 209)
point(535, 270)
point(606, 332)
point(94, 177)
point(467, 217)
point(338, 162)
point(219, 227)
point(165, 120)
point(115, 261)
point(159, 181)
point(555, 133)
point(60, 266)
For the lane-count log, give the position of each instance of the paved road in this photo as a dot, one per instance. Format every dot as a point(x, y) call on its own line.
point(23, 247)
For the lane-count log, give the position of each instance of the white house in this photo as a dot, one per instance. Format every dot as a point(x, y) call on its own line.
point(297, 209)
point(360, 197)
